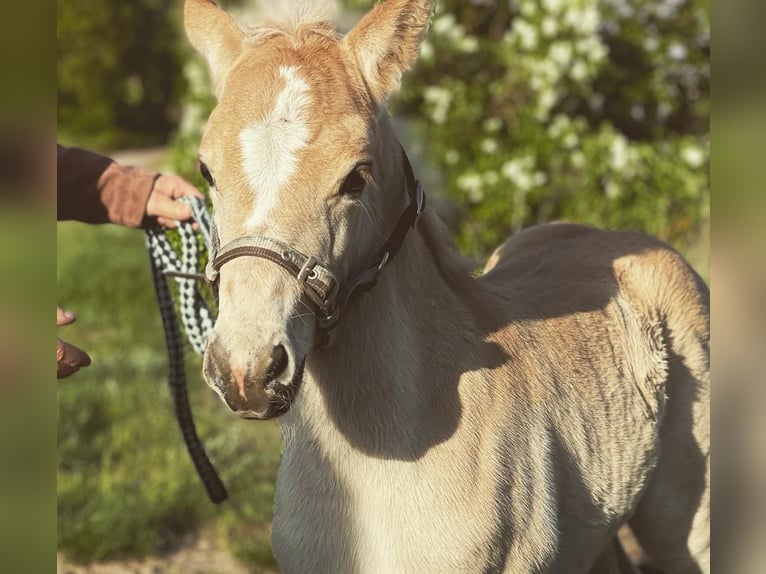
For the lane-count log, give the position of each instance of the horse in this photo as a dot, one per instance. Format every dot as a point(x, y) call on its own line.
point(433, 420)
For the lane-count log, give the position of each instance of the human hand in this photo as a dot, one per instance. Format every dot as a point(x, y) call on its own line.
point(69, 358)
point(162, 204)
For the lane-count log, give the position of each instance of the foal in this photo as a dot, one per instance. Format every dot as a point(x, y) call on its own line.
point(433, 422)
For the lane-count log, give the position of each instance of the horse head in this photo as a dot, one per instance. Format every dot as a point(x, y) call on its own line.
point(306, 175)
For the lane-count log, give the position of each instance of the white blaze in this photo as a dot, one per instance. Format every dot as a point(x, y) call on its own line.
point(270, 147)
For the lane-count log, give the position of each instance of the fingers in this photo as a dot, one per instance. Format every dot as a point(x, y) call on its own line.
point(162, 204)
point(167, 211)
point(64, 317)
point(69, 359)
point(175, 186)
point(170, 223)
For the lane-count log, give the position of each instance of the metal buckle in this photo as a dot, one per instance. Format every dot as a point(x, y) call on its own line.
point(307, 269)
point(420, 199)
point(383, 262)
point(211, 273)
point(380, 267)
point(329, 321)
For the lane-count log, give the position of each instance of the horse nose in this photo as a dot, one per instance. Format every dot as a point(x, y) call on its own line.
point(243, 389)
point(279, 361)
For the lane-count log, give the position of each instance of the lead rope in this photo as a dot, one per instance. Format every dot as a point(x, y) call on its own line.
point(197, 320)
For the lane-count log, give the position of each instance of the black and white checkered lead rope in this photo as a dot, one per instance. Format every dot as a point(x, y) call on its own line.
point(197, 320)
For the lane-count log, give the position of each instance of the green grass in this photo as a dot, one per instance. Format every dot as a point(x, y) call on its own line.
point(126, 487)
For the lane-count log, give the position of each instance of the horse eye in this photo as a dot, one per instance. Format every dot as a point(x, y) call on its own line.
point(354, 183)
point(206, 174)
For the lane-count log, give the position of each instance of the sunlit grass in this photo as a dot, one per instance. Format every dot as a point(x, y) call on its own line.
point(126, 486)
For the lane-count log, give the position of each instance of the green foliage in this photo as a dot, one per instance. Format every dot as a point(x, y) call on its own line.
point(593, 111)
point(126, 486)
point(119, 75)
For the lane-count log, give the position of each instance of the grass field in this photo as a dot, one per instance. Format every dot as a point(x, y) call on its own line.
point(126, 486)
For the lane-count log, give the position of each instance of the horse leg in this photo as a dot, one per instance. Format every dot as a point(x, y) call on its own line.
point(672, 519)
point(613, 560)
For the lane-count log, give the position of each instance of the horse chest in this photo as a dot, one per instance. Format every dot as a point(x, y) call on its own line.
point(363, 515)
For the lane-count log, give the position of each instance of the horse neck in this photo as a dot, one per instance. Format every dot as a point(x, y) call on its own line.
point(387, 381)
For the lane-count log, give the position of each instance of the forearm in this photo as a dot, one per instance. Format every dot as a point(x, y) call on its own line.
point(95, 189)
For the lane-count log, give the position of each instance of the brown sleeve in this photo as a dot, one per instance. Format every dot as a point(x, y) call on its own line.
point(95, 189)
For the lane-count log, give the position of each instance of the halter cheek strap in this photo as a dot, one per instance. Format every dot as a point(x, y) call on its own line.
point(320, 285)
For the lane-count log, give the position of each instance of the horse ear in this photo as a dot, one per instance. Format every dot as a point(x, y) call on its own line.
point(215, 35)
point(386, 42)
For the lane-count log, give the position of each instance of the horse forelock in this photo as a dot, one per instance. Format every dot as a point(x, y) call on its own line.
point(292, 16)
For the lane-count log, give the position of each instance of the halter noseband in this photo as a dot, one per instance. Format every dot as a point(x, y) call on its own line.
point(319, 283)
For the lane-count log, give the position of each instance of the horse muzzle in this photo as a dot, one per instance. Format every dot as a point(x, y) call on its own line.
point(263, 388)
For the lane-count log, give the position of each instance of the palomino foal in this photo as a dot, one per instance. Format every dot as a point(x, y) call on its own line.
point(437, 423)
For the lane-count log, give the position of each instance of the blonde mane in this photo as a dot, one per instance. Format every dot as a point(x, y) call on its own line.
point(293, 16)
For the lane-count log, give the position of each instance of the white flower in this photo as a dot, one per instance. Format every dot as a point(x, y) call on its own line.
point(440, 99)
point(549, 26)
point(444, 24)
point(579, 71)
point(561, 53)
point(518, 172)
point(578, 159)
point(553, 6)
point(693, 156)
point(591, 49)
point(452, 156)
point(547, 100)
point(623, 8)
point(447, 26)
point(665, 10)
point(612, 190)
point(528, 8)
point(471, 183)
point(589, 19)
point(526, 34)
point(570, 140)
point(489, 145)
point(677, 51)
point(468, 45)
point(618, 153)
point(427, 50)
point(651, 43)
point(559, 124)
point(492, 124)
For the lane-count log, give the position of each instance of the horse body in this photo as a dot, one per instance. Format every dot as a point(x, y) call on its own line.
point(403, 454)
point(507, 423)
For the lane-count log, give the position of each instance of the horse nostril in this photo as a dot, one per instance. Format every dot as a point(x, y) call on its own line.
point(278, 363)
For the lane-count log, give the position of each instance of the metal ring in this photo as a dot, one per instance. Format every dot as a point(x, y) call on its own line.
point(286, 255)
point(313, 274)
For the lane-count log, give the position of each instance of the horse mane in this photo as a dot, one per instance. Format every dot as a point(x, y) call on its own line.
point(294, 16)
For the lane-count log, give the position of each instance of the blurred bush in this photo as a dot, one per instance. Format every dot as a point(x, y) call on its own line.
point(588, 110)
point(119, 71)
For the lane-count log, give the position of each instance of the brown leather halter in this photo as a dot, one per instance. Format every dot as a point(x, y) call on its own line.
point(319, 283)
